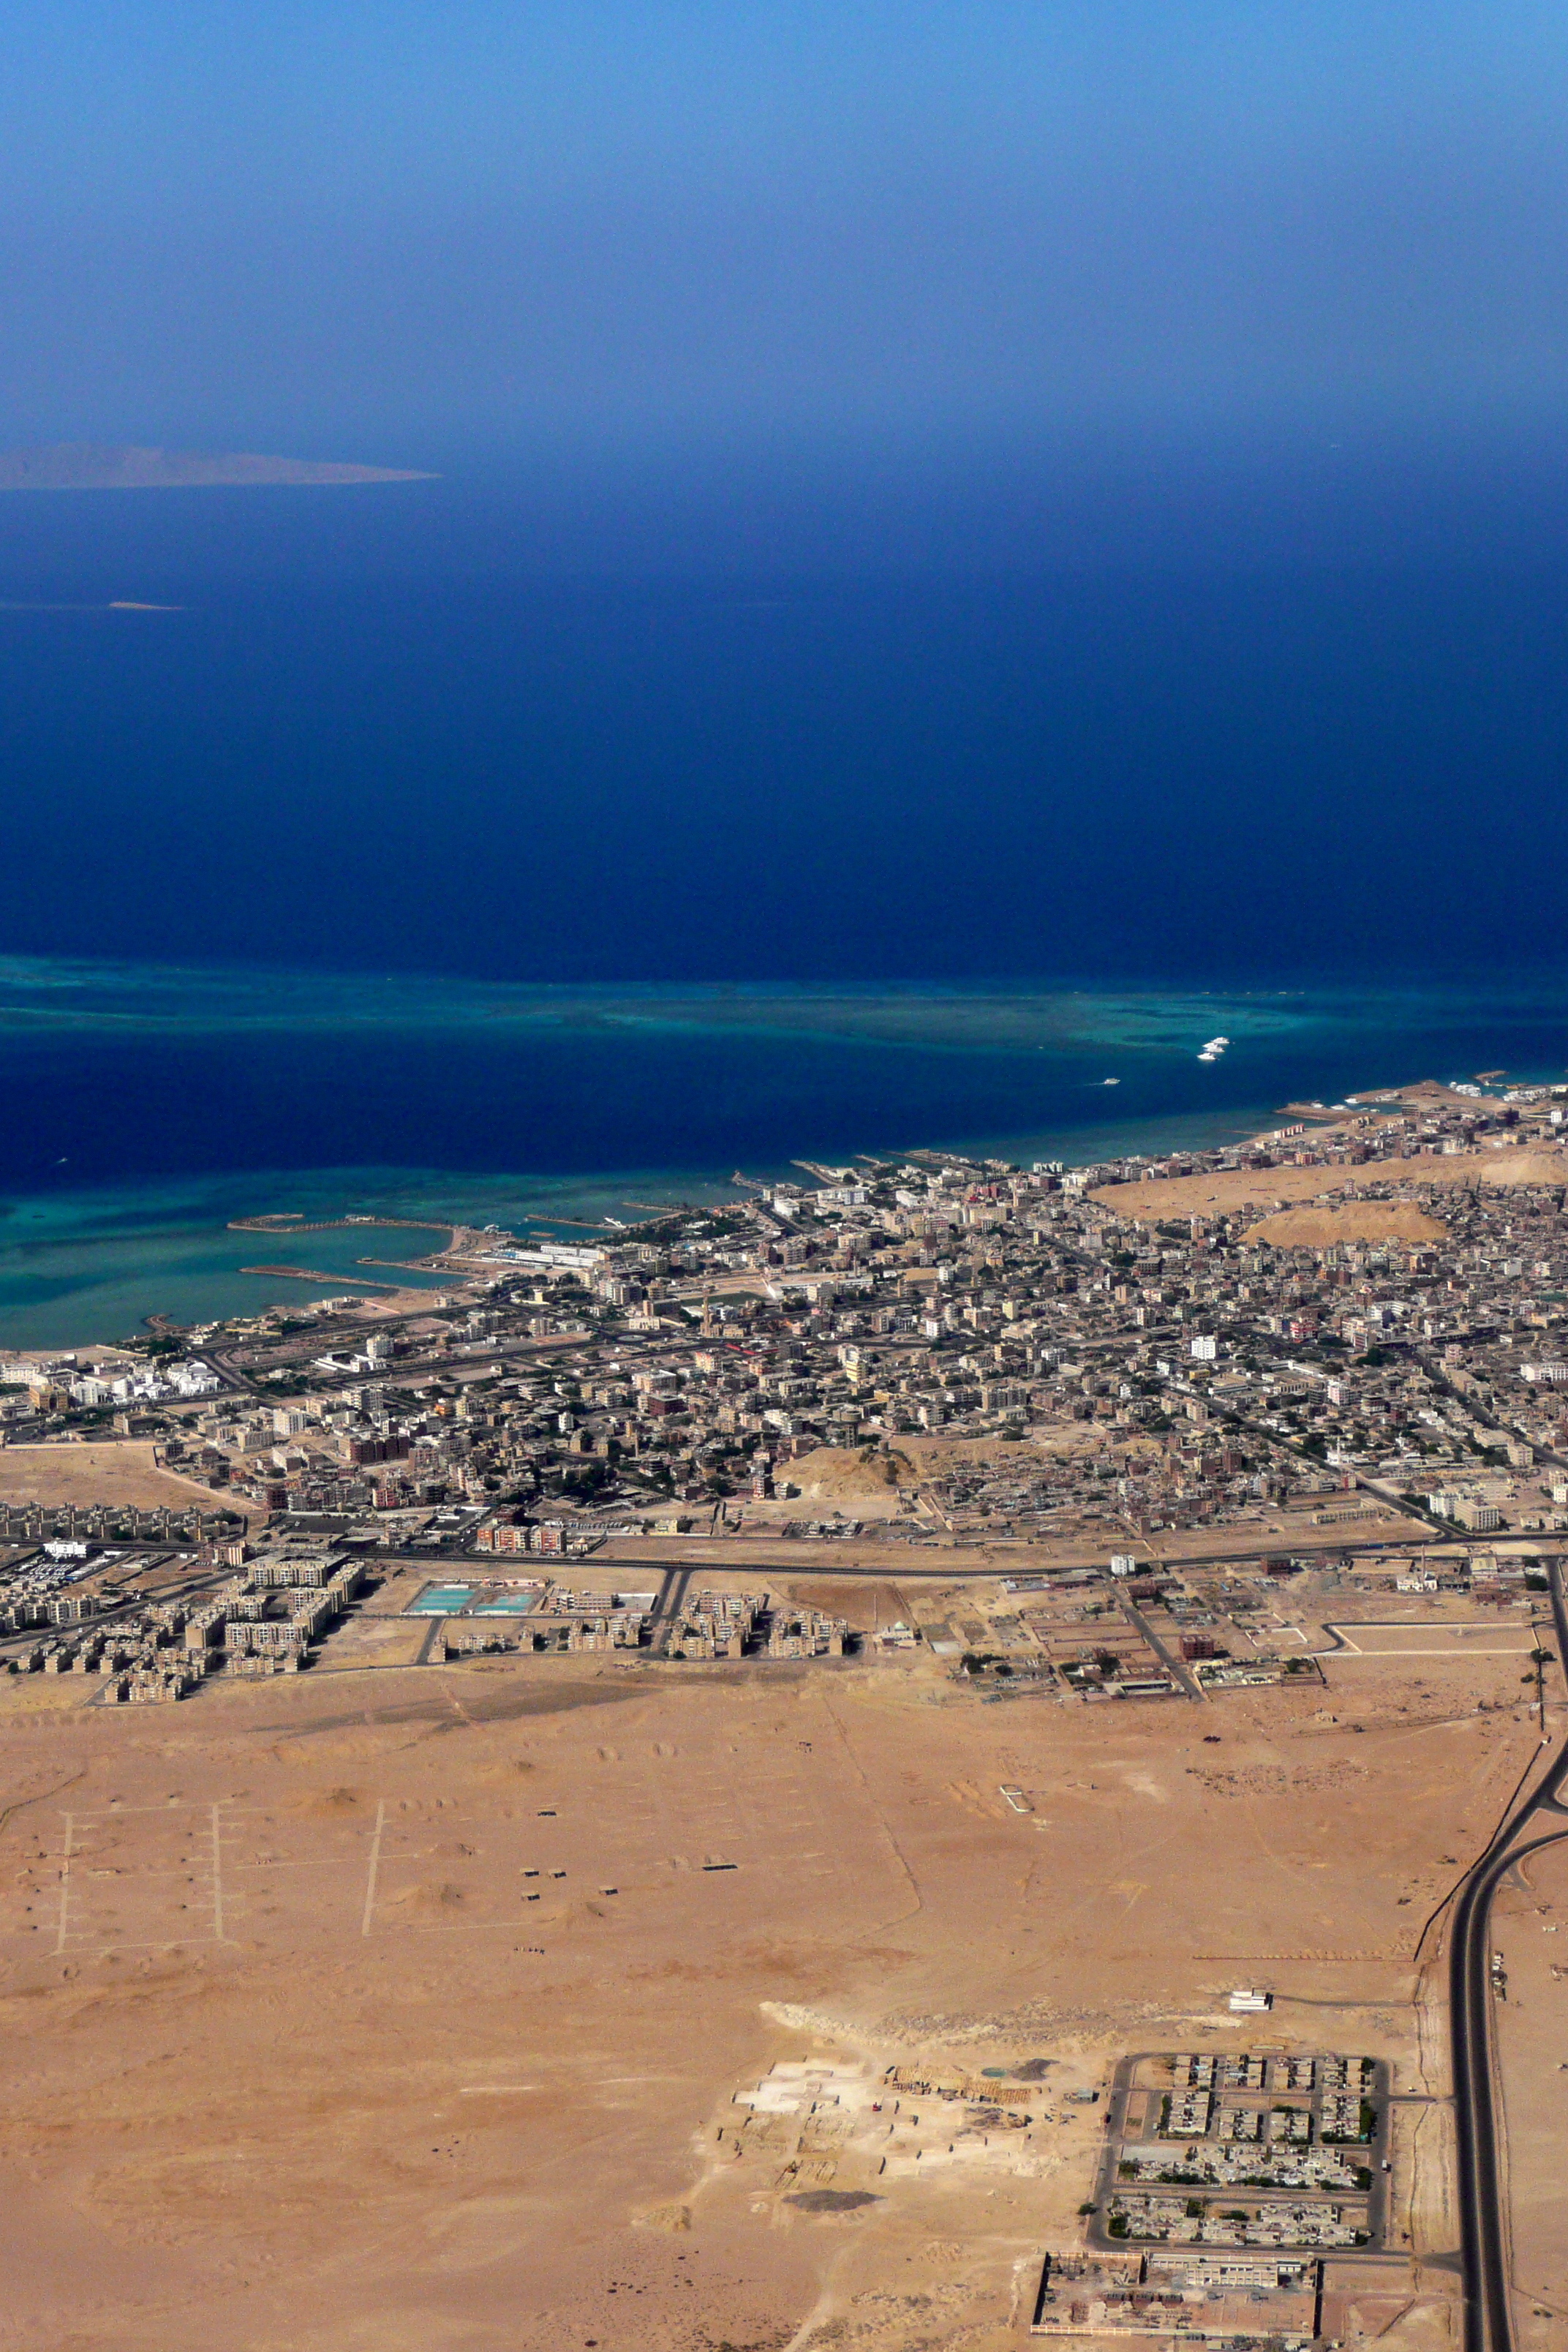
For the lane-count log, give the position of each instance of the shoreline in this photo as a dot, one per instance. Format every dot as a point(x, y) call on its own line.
point(86, 1268)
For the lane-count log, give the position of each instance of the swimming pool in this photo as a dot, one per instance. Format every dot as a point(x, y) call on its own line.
point(440, 1600)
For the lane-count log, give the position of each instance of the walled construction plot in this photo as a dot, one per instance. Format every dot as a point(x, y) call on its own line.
point(1493, 1638)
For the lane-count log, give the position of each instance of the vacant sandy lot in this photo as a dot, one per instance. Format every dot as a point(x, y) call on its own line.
point(1214, 1194)
point(110, 1472)
point(938, 1456)
point(410, 2010)
point(1493, 1637)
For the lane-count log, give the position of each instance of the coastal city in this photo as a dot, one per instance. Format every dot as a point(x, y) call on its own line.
point(784, 1180)
point(1202, 1477)
point(1176, 1383)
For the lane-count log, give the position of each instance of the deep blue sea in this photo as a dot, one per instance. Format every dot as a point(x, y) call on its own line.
point(404, 861)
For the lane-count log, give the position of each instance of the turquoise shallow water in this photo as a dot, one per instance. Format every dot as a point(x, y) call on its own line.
point(92, 1264)
point(144, 1108)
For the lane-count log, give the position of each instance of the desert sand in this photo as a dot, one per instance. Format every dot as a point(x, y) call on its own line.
point(1217, 1192)
point(118, 1471)
point(862, 1475)
point(1347, 1221)
point(420, 2009)
point(1529, 1923)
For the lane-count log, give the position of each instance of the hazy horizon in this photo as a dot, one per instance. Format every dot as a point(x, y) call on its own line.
point(946, 494)
point(619, 229)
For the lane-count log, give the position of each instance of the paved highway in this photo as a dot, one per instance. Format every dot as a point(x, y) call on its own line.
point(1483, 2224)
point(668, 1607)
point(798, 1557)
point(1179, 1674)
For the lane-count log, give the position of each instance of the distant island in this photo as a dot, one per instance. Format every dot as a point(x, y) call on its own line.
point(92, 465)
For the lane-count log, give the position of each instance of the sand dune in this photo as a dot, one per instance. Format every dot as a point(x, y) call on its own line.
point(1216, 1192)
